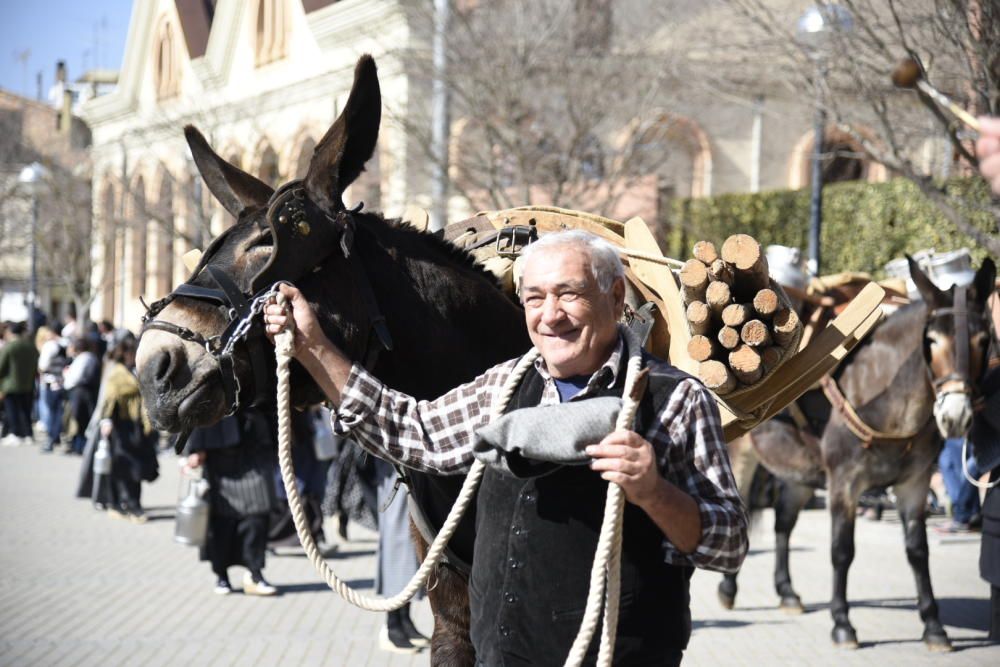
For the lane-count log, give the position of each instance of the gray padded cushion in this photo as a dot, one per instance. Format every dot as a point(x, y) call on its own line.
point(534, 441)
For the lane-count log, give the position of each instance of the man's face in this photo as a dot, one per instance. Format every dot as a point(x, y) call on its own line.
point(570, 321)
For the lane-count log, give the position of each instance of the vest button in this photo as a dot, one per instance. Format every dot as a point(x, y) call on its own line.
point(528, 496)
point(516, 530)
point(510, 598)
point(504, 630)
point(514, 563)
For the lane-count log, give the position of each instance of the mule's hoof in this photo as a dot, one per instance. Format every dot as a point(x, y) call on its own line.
point(937, 642)
point(726, 600)
point(791, 604)
point(844, 636)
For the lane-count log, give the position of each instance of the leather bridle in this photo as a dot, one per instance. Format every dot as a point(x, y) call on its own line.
point(303, 238)
point(959, 381)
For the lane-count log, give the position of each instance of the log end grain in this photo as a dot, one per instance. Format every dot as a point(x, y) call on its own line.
point(746, 363)
point(786, 325)
point(702, 348)
point(705, 252)
point(717, 377)
point(694, 280)
point(755, 333)
point(699, 317)
point(765, 302)
point(735, 315)
point(718, 296)
point(729, 338)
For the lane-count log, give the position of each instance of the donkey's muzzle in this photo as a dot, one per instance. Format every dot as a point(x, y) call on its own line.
point(953, 413)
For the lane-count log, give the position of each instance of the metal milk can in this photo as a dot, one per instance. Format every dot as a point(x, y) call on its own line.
point(102, 457)
point(191, 525)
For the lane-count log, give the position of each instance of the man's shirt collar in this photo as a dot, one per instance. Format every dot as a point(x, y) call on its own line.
point(604, 377)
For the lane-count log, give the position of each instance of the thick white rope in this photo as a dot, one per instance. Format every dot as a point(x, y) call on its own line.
point(605, 573)
point(283, 346)
point(965, 469)
point(607, 558)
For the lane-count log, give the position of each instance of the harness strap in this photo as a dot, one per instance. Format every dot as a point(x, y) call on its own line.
point(375, 318)
point(856, 424)
point(232, 291)
point(961, 315)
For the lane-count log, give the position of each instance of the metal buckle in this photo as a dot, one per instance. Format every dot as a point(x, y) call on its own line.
point(511, 234)
point(212, 344)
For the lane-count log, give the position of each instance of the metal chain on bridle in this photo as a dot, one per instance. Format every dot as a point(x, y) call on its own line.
point(605, 574)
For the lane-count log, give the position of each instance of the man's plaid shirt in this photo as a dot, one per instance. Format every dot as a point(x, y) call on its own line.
point(438, 435)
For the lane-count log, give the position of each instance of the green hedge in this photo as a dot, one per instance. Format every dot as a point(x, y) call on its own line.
point(864, 224)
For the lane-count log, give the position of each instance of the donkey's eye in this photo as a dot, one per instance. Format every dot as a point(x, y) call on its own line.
point(264, 239)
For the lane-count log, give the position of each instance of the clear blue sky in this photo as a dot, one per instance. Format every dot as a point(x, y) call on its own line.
point(84, 33)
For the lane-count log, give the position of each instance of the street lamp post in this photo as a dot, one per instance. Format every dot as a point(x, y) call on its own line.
point(31, 179)
point(815, 29)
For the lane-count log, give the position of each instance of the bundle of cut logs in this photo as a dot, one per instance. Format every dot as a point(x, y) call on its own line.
point(741, 324)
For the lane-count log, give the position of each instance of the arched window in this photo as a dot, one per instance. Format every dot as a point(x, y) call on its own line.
point(272, 30)
point(843, 159)
point(305, 157)
point(677, 151)
point(165, 235)
point(139, 222)
point(268, 169)
point(167, 70)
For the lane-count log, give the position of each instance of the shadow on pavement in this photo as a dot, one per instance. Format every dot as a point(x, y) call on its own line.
point(717, 623)
point(329, 554)
point(357, 584)
point(957, 645)
point(770, 550)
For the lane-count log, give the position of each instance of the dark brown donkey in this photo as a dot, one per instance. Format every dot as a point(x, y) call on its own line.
point(413, 308)
point(911, 382)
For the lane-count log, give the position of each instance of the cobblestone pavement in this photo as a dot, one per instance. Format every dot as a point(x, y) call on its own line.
point(80, 588)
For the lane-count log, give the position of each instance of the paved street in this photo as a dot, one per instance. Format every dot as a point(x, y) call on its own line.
point(80, 588)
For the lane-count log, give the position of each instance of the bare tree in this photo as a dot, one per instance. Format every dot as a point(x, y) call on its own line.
point(552, 101)
point(955, 42)
point(62, 235)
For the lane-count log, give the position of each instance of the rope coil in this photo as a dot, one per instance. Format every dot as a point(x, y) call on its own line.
point(605, 574)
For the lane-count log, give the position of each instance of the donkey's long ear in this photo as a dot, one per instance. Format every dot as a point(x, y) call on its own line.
point(933, 297)
point(341, 155)
point(234, 188)
point(985, 281)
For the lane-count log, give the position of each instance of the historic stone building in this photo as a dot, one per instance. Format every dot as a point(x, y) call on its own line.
point(263, 79)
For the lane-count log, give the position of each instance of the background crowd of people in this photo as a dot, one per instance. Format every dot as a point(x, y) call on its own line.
point(71, 388)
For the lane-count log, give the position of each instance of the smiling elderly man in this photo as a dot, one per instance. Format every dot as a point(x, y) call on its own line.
point(536, 536)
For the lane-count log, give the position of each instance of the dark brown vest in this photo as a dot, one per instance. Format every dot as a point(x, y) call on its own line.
point(535, 544)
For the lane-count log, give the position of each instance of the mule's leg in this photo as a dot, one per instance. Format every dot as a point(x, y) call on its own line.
point(843, 510)
point(911, 499)
point(792, 498)
point(448, 593)
point(744, 463)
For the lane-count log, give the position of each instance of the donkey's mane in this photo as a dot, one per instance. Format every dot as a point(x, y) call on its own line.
point(403, 233)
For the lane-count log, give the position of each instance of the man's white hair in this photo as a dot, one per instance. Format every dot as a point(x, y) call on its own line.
point(605, 265)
